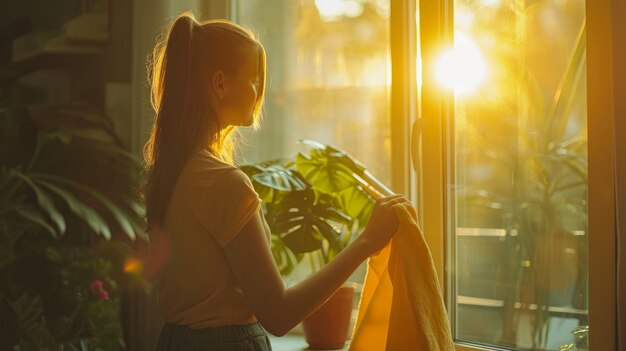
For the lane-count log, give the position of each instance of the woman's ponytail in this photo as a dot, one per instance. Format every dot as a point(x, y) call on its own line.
point(179, 61)
point(171, 97)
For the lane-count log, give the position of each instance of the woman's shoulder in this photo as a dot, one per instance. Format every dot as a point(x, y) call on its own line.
point(204, 169)
point(205, 161)
point(220, 187)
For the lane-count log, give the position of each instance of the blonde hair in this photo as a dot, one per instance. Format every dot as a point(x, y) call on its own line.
point(180, 70)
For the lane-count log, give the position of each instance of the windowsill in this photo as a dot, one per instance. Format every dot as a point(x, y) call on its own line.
point(295, 340)
point(289, 342)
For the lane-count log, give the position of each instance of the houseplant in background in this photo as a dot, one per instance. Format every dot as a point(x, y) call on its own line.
point(581, 340)
point(543, 208)
point(66, 225)
point(315, 205)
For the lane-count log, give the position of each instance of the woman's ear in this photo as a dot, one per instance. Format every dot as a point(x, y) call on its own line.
point(218, 84)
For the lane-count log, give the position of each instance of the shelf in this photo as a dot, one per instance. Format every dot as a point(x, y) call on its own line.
point(43, 60)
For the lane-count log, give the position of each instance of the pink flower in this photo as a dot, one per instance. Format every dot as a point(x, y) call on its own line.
point(96, 286)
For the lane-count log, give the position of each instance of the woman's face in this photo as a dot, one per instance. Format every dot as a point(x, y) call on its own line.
point(240, 93)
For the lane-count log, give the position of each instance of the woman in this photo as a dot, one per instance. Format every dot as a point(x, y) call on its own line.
point(219, 287)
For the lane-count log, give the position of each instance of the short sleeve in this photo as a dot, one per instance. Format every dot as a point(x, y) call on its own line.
point(226, 205)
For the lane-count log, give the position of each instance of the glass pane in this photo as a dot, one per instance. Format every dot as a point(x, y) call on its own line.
point(329, 76)
point(517, 160)
point(328, 80)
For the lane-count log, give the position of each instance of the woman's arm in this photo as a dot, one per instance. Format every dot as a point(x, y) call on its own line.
point(279, 309)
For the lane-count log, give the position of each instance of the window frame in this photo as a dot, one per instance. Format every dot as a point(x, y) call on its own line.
point(403, 104)
point(602, 215)
point(418, 144)
point(437, 26)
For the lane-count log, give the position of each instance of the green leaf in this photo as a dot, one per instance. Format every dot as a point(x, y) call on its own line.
point(92, 134)
point(31, 328)
point(304, 226)
point(356, 203)
point(137, 219)
point(273, 181)
point(303, 239)
point(329, 233)
point(84, 212)
point(122, 218)
point(63, 136)
point(285, 259)
point(99, 141)
point(313, 144)
point(36, 218)
point(45, 202)
point(28, 312)
point(566, 93)
point(292, 220)
point(574, 144)
point(69, 326)
point(119, 215)
point(137, 207)
point(104, 324)
point(331, 213)
point(326, 175)
point(578, 168)
point(279, 178)
point(332, 152)
point(139, 227)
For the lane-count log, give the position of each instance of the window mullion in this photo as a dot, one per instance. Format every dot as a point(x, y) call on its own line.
point(403, 42)
point(433, 23)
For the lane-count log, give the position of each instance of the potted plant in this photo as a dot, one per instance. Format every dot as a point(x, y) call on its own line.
point(315, 205)
point(66, 222)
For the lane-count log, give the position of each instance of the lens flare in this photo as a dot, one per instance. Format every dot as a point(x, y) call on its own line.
point(133, 265)
point(462, 68)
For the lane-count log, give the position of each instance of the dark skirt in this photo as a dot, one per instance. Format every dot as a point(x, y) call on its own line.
point(251, 337)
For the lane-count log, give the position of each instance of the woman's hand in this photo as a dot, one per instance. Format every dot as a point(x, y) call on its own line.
point(383, 223)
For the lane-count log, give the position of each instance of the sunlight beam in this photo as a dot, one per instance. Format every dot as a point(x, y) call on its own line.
point(462, 68)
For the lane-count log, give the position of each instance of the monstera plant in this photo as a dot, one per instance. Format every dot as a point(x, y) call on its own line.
point(314, 204)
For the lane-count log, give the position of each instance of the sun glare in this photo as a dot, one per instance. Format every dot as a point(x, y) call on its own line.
point(462, 68)
point(332, 10)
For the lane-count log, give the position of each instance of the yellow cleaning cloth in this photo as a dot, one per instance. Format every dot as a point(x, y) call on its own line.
point(401, 306)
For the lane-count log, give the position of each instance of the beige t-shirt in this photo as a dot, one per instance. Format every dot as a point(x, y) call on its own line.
point(212, 201)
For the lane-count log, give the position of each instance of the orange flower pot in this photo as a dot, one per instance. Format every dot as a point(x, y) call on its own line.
point(328, 327)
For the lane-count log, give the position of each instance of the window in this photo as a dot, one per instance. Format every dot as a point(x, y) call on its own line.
point(329, 75)
point(500, 143)
point(507, 193)
point(517, 172)
point(328, 78)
